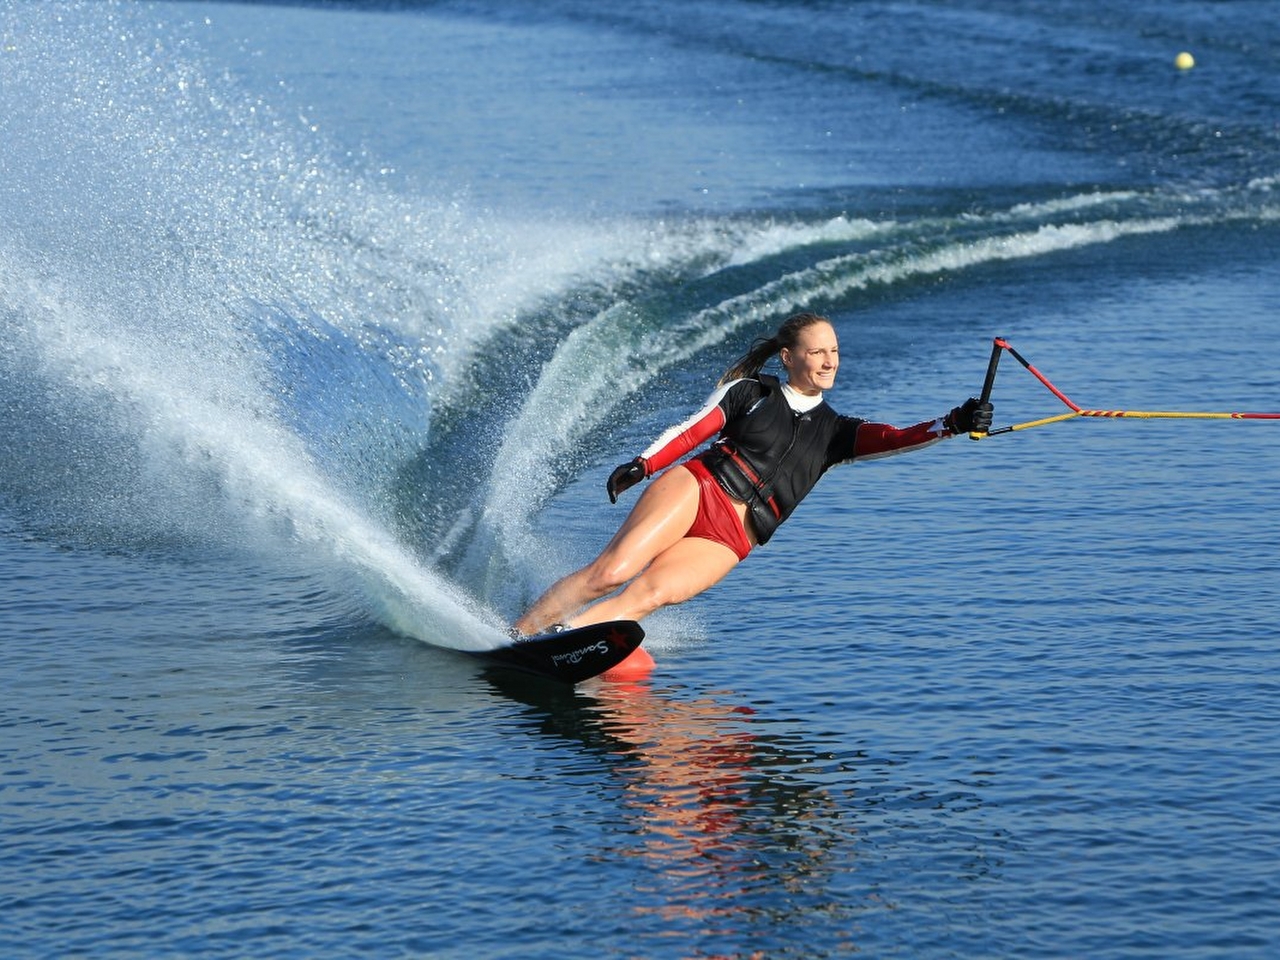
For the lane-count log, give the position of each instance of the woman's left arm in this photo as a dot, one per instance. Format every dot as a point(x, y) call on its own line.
point(882, 440)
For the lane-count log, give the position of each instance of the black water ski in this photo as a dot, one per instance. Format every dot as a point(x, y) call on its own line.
point(572, 656)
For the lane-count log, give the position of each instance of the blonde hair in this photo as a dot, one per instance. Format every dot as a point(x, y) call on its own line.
point(762, 348)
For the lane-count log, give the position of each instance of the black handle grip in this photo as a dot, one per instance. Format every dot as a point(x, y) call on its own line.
point(997, 346)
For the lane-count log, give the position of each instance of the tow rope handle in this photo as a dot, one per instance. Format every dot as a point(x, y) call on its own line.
point(997, 347)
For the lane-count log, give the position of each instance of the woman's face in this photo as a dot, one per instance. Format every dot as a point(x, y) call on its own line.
point(811, 366)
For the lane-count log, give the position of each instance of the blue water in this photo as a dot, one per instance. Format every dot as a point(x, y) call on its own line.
point(323, 325)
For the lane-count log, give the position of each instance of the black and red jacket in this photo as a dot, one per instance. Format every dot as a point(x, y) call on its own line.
point(771, 450)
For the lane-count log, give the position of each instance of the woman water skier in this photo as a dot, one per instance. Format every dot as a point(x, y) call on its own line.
point(698, 520)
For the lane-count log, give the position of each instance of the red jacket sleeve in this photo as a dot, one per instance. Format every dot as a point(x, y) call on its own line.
point(676, 441)
point(881, 440)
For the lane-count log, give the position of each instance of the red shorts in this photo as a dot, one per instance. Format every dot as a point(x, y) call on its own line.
point(716, 521)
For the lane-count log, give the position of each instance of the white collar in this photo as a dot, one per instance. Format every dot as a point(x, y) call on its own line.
point(800, 402)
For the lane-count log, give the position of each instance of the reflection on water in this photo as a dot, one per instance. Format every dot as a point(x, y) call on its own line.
point(733, 834)
point(720, 811)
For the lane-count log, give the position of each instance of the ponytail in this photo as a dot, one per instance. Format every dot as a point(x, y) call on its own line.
point(752, 362)
point(762, 348)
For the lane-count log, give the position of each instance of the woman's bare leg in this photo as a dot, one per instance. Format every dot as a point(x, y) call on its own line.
point(680, 572)
point(661, 516)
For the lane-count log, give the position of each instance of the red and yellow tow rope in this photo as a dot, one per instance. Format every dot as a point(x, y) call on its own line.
point(1075, 410)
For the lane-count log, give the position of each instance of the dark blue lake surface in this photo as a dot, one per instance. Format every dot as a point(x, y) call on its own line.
point(324, 324)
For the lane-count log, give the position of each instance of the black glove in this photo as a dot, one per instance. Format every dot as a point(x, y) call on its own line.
point(972, 416)
point(625, 477)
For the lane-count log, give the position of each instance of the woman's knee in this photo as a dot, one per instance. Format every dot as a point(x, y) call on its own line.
point(606, 574)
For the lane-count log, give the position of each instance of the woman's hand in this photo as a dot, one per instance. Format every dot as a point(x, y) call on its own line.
point(625, 477)
point(972, 416)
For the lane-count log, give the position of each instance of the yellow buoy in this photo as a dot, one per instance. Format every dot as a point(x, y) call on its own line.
point(1184, 61)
